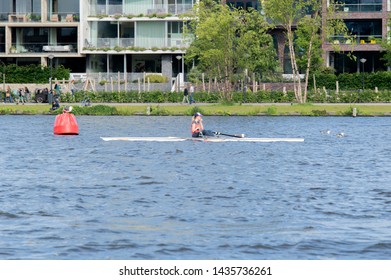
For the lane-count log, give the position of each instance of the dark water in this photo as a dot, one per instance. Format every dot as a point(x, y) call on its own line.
point(78, 197)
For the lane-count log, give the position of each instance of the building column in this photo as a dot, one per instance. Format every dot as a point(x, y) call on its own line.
point(167, 65)
point(44, 10)
point(44, 61)
point(8, 39)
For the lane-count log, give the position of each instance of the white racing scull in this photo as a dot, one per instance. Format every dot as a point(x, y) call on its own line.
point(201, 139)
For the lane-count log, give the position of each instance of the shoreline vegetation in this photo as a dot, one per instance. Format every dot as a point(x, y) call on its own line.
point(215, 109)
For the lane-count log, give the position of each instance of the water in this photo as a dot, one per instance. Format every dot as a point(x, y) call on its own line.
point(78, 197)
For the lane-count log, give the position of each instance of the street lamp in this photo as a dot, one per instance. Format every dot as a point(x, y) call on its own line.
point(363, 60)
point(3, 74)
point(50, 56)
point(179, 57)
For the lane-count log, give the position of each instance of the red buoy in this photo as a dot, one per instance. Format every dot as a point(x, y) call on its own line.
point(66, 124)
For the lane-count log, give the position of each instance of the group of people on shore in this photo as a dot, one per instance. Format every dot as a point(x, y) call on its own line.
point(23, 95)
point(20, 95)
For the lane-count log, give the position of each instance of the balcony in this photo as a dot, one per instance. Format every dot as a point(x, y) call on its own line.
point(23, 17)
point(140, 9)
point(358, 40)
point(20, 17)
point(63, 48)
point(359, 8)
point(30, 48)
point(141, 42)
point(64, 17)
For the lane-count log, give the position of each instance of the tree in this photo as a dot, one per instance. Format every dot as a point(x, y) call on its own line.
point(255, 43)
point(302, 23)
point(226, 41)
point(386, 44)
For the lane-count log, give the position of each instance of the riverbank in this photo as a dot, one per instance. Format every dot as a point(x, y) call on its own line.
point(253, 109)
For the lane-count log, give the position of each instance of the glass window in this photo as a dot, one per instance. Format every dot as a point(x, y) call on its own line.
point(107, 29)
point(365, 27)
point(2, 39)
point(68, 6)
point(98, 63)
point(5, 6)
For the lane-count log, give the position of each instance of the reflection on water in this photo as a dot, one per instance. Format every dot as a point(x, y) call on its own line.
point(78, 197)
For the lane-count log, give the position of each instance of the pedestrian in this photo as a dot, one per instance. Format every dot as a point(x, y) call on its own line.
point(57, 88)
point(185, 96)
point(27, 95)
point(8, 95)
point(20, 96)
point(73, 89)
point(191, 92)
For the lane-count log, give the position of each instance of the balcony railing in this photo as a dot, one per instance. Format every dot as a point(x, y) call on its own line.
point(139, 9)
point(142, 42)
point(64, 17)
point(19, 17)
point(23, 17)
point(28, 48)
point(362, 39)
point(361, 8)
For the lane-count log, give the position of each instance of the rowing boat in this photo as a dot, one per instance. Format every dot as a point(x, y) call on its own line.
point(202, 139)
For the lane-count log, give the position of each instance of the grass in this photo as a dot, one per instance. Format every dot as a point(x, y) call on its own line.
point(284, 109)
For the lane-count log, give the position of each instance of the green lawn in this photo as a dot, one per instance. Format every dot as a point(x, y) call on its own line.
point(218, 109)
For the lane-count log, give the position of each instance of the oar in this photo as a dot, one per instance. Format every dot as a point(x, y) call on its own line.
point(230, 135)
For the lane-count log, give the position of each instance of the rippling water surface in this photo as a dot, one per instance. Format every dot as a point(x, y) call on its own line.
point(78, 197)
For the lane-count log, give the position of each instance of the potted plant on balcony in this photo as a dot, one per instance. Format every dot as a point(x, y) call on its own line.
point(372, 39)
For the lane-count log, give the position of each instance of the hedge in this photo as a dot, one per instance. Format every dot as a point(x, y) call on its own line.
point(32, 73)
point(319, 96)
point(348, 81)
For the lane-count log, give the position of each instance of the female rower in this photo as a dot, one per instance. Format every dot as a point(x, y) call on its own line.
point(197, 127)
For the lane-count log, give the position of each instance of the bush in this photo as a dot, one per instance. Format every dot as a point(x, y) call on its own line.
point(156, 78)
point(353, 81)
point(97, 110)
point(33, 74)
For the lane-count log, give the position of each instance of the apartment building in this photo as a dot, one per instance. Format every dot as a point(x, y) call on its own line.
point(367, 22)
point(137, 36)
point(32, 30)
point(95, 36)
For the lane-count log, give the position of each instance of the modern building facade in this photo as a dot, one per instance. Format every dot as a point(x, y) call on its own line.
point(137, 36)
point(30, 30)
point(367, 21)
point(91, 36)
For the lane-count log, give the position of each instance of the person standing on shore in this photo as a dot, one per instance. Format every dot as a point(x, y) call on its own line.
point(73, 89)
point(8, 95)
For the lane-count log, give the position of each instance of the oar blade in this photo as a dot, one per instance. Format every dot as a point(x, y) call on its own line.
point(231, 135)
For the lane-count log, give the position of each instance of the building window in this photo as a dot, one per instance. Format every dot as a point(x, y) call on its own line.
point(364, 30)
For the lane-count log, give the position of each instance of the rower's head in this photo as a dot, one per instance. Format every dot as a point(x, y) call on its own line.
point(198, 114)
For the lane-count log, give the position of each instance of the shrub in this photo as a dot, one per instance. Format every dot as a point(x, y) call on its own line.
point(271, 111)
point(33, 74)
point(96, 110)
point(156, 78)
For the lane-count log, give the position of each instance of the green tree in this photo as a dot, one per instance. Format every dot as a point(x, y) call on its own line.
point(255, 43)
point(386, 44)
point(304, 43)
point(226, 41)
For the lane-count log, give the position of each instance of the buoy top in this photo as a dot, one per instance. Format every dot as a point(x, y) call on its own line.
point(67, 109)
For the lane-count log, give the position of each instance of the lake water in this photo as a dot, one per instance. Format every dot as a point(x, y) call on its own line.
point(78, 197)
